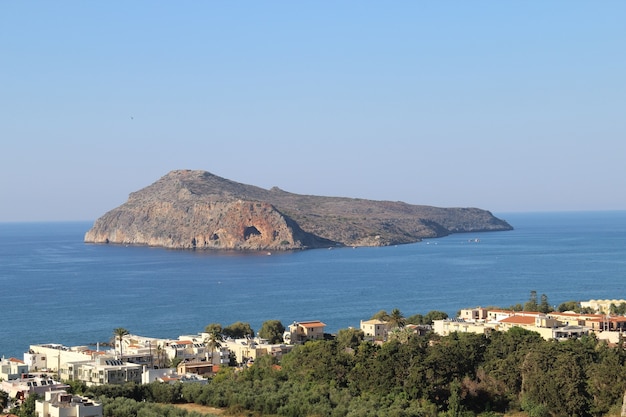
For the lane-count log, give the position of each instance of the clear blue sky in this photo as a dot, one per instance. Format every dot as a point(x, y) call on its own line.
point(503, 105)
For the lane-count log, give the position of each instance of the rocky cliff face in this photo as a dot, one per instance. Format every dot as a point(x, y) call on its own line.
point(198, 210)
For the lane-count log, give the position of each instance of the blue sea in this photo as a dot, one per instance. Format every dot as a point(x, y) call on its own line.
point(56, 289)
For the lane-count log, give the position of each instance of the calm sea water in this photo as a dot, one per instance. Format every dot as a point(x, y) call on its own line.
point(56, 289)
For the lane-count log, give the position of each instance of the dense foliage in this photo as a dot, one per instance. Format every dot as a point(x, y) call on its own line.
point(457, 375)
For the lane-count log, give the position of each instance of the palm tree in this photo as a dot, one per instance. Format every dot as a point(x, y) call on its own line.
point(396, 319)
point(159, 354)
point(214, 342)
point(119, 334)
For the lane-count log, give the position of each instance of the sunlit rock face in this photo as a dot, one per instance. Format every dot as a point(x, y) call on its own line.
point(198, 210)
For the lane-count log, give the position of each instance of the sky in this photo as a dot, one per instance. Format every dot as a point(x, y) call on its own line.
point(509, 106)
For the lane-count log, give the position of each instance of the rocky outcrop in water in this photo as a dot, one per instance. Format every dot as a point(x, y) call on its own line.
point(198, 210)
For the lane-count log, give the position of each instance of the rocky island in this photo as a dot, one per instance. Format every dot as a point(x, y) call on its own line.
point(188, 209)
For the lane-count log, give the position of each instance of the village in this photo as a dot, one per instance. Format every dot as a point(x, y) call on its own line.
point(196, 358)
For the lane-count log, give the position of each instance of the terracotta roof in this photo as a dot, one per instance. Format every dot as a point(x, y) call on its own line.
point(579, 315)
point(617, 319)
point(516, 313)
point(316, 323)
point(519, 320)
point(15, 360)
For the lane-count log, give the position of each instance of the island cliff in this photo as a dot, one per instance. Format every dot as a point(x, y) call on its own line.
point(198, 210)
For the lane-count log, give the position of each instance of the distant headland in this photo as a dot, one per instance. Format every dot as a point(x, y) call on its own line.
point(188, 209)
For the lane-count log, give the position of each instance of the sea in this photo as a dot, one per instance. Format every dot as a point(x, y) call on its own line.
point(54, 288)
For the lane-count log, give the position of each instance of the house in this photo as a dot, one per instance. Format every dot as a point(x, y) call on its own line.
point(104, 370)
point(375, 329)
point(601, 306)
point(473, 314)
point(300, 332)
point(608, 324)
point(569, 332)
point(186, 350)
point(197, 367)
point(28, 384)
point(445, 327)
point(170, 376)
point(547, 325)
point(250, 349)
point(219, 356)
point(570, 318)
point(499, 315)
point(54, 357)
point(535, 322)
point(61, 404)
point(12, 368)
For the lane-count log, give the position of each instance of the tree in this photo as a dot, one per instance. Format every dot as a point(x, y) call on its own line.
point(381, 315)
point(119, 334)
point(618, 309)
point(161, 357)
point(396, 319)
point(238, 330)
point(349, 338)
point(531, 304)
point(606, 383)
point(554, 376)
point(435, 315)
point(213, 327)
point(272, 330)
point(27, 408)
point(214, 341)
point(455, 409)
point(415, 319)
point(4, 399)
point(569, 306)
point(544, 305)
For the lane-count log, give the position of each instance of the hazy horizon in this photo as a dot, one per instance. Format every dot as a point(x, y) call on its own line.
point(504, 106)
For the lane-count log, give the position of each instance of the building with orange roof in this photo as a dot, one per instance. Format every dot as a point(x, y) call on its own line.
point(608, 324)
point(300, 332)
point(574, 319)
point(12, 368)
point(547, 325)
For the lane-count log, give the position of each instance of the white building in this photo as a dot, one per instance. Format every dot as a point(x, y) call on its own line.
point(375, 329)
point(246, 350)
point(12, 368)
point(104, 370)
point(22, 387)
point(169, 375)
point(54, 357)
point(61, 404)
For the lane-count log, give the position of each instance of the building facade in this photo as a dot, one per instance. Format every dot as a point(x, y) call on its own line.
point(12, 368)
point(300, 332)
point(375, 329)
point(61, 404)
